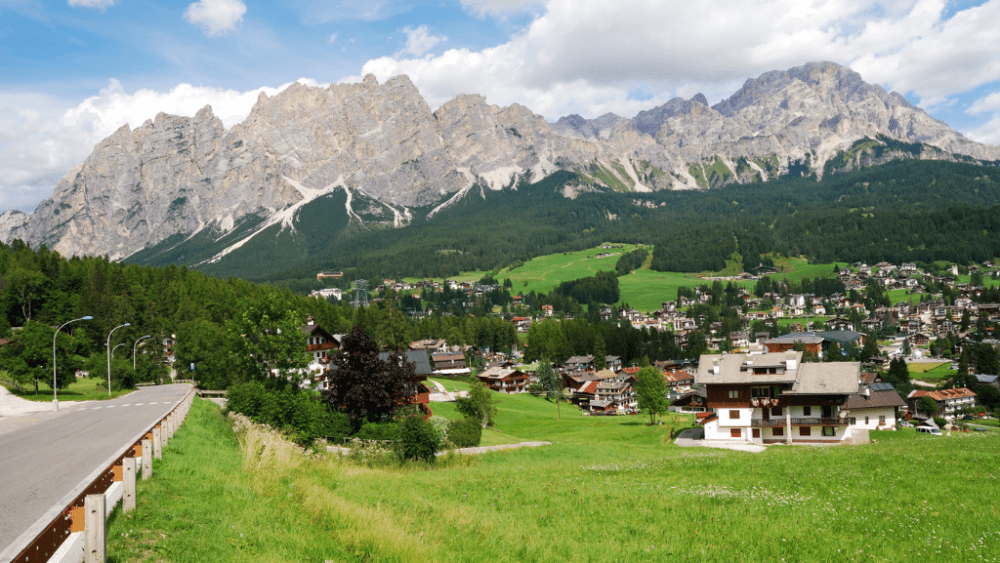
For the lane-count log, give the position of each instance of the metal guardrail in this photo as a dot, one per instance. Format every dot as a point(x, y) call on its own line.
point(11, 383)
point(70, 519)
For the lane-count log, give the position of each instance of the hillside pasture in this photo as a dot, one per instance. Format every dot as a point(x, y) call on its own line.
point(607, 489)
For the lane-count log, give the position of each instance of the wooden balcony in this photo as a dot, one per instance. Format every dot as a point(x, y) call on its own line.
point(810, 421)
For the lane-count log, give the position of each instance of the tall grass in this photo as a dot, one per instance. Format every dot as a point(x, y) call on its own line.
point(608, 489)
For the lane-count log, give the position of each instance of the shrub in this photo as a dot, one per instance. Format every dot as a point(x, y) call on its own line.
point(465, 433)
point(940, 421)
point(297, 412)
point(440, 425)
point(385, 431)
point(417, 439)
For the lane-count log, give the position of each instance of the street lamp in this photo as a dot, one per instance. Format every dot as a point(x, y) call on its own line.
point(115, 348)
point(55, 395)
point(134, 347)
point(109, 353)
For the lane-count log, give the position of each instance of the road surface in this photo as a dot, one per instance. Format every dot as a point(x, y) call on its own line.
point(43, 455)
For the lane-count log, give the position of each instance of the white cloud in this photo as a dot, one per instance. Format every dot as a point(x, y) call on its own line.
point(332, 38)
point(499, 7)
point(45, 137)
point(986, 104)
point(217, 17)
point(100, 4)
point(988, 132)
point(595, 52)
point(419, 40)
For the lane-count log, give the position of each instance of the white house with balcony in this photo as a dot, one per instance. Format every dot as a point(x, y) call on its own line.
point(775, 398)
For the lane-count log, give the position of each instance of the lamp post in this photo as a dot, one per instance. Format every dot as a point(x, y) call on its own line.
point(55, 395)
point(120, 344)
point(109, 353)
point(134, 347)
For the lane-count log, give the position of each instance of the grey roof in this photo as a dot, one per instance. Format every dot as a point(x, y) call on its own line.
point(985, 379)
point(734, 368)
point(836, 378)
point(841, 336)
point(418, 357)
point(600, 403)
point(881, 386)
point(804, 337)
point(833, 378)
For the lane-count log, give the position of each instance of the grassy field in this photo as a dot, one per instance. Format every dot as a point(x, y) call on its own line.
point(608, 489)
point(936, 372)
point(83, 389)
point(801, 320)
point(544, 273)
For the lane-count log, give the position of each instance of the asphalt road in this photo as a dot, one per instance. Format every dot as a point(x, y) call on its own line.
point(44, 455)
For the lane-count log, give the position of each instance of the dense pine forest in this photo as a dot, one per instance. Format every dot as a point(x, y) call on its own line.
point(903, 211)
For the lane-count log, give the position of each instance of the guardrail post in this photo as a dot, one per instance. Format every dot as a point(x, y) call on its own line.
point(157, 443)
point(128, 482)
point(94, 542)
point(147, 459)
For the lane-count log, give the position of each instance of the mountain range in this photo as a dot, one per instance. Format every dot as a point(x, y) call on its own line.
point(389, 159)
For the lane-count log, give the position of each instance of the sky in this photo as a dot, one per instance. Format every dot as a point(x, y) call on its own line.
point(74, 71)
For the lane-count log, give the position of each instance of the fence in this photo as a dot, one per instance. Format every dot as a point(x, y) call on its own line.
point(77, 528)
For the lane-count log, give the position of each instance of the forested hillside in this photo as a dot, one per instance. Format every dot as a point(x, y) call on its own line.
point(902, 211)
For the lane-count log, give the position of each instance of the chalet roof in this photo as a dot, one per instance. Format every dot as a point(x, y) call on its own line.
point(834, 378)
point(417, 357)
point(678, 375)
point(881, 386)
point(579, 360)
point(605, 374)
point(447, 356)
point(943, 394)
point(589, 387)
point(876, 399)
point(984, 379)
point(497, 372)
point(837, 378)
point(738, 368)
point(600, 403)
point(611, 385)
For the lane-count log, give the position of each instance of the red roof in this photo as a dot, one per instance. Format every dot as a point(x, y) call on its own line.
point(589, 387)
point(631, 370)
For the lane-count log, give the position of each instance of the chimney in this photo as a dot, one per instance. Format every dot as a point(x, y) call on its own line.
point(791, 362)
point(715, 367)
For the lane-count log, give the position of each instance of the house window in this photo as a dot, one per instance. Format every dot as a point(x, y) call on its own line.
point(806, 411)
point(735, 415)
point(866, 421)
point(881, 419)
point(827, 412)
point(760, 391)
point(776, 411)
point(805, 431)
point(756, 432)
point(735, 433)
point(853, 421)
point(777, 431)
point(734, 394)
point(829, 431)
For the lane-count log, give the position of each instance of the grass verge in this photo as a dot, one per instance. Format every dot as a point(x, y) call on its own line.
point(83, 389)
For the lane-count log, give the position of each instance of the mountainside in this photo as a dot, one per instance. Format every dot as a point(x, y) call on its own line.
point(391, 159)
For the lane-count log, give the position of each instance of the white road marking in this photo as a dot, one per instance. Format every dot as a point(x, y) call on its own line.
point(152, 403)
point(95, 408)
point(111, 406)
point(138, 404)
point(128, 405)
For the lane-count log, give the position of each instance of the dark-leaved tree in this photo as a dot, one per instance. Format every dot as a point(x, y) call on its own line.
point(365, 386)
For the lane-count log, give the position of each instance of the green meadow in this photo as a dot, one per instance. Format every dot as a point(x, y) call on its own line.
point(932, 372)
point(607, 489)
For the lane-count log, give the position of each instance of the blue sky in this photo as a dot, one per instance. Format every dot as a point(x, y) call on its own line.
point(75, 70)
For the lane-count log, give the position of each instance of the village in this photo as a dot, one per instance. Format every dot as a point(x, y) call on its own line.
point(765, 382)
